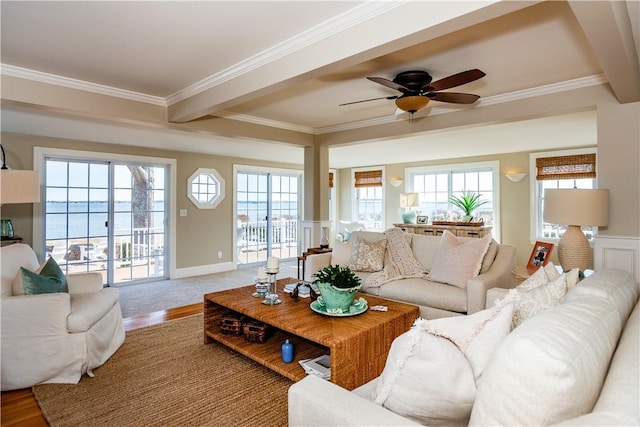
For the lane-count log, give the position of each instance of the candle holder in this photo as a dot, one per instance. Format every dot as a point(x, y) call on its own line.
point(272, 297)
point(262, 287)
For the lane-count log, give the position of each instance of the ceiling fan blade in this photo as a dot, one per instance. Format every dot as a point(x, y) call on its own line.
point(456, 79)
point(388, 83)
point(367, 100)
point(454, 97)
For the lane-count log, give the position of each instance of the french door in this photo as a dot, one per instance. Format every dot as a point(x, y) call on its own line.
point(267, 214)
point(106, 216)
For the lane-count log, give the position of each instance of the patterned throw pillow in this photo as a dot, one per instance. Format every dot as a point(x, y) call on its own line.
point(367, 256)
point(545, 288)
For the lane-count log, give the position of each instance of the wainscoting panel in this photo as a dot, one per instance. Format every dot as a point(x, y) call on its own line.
point(622, 253)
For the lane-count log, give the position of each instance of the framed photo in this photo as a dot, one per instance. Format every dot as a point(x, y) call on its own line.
point(539, 255)
point(421, 219)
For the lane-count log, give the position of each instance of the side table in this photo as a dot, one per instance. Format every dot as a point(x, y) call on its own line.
point(6, 241)
point(310, 251)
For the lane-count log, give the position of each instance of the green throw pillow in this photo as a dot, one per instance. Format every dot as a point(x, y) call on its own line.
point(50, 280)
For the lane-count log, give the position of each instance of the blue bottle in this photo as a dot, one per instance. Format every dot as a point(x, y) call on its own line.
point(287, 352)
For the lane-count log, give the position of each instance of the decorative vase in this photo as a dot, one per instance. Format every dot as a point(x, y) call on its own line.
point(324, 239)
point(336, 300)
point(409, 217)
point(7, 228)
point(467, 218)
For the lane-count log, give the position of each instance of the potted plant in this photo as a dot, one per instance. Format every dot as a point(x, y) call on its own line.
point(338, 286)
point(468, 202)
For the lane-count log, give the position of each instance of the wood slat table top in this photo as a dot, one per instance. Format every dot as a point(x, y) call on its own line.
point(298, 318)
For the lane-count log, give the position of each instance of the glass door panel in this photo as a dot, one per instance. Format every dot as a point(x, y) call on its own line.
point(106, 217)
point(268, 212)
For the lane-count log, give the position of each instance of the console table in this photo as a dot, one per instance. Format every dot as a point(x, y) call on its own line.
point(437, 230)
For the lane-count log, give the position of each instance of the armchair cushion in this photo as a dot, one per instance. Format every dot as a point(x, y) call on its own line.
point(47, 279)
point(88, 308)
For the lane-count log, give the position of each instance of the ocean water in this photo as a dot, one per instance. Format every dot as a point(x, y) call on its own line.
point(90, 218)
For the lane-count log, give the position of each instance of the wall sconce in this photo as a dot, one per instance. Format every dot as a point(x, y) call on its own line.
point(515, 177)
point(396, 181)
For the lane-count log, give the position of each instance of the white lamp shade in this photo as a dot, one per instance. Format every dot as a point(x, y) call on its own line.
point(19, 186)
point(576, 207)
point(409, 200)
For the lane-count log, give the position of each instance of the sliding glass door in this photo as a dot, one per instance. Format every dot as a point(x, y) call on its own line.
point(268, 213)
point(107, 217)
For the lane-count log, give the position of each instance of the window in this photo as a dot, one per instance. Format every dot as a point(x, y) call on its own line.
point(565, 169)
point(369, 206)
point(205, 188)
point(435, 185)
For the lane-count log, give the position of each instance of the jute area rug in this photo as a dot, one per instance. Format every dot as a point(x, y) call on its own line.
point(165, 375)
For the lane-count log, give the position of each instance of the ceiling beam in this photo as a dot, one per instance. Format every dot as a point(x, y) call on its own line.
point(379, 34)
point(608, 28)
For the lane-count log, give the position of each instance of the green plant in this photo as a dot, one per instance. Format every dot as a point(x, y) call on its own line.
point(468, 202)
point(339, 276)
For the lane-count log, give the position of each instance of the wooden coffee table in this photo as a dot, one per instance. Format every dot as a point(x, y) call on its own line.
point(358, 345)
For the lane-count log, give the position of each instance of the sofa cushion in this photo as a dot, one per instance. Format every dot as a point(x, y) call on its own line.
point(425, 293)
point(47, 279)
point(551, 368)
point(457, 261)
point(431, 371)
point(367, 256)
point(424, 249)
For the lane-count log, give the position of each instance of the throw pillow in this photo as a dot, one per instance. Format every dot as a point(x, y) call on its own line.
point(50, 279)
point(490, 256)
point(530, 302)
point(341, 253)
point(458, 261)
point(367, 256)
point(432, 370)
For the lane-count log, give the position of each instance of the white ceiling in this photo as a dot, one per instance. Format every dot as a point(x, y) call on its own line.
point(289, 65)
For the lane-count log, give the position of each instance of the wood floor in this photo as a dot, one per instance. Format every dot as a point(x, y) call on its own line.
point(19, 407)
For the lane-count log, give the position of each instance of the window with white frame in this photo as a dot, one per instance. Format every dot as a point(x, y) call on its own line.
point(205, 188)
point(436, 184)
point(369, 198)
point(566, 169)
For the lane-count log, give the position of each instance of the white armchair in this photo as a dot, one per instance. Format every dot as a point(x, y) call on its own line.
point(55, 337)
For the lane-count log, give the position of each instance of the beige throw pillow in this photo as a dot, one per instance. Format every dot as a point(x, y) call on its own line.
point(544, 289)
point(432, 370)
point(458, 261)
point(341, 253)
point(367, 256)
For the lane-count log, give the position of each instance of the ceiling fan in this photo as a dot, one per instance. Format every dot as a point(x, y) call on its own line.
point(417, 89)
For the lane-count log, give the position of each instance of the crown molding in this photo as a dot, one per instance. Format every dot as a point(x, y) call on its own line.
point(264, 122)
point(348, 19)
point(38, 76)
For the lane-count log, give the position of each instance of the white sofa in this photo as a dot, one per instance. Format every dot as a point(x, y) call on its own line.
point(55, 337)
point(576, 363)
point(435, 299)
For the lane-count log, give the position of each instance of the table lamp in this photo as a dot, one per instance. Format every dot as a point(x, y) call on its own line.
point(17, 186)
point(408, 201)
point(575, 208)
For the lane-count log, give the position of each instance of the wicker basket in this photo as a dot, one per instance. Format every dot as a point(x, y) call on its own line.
point(231, 323)
point(459, 223)
point(255, 331)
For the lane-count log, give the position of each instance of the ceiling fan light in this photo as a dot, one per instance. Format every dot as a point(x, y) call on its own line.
point(412, 103)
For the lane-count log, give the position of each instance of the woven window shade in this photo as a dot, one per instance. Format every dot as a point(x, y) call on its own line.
point(566, 167)
point(368, 179)
point(330, 179)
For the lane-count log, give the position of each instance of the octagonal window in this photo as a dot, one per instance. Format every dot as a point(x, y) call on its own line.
point(205, 188)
